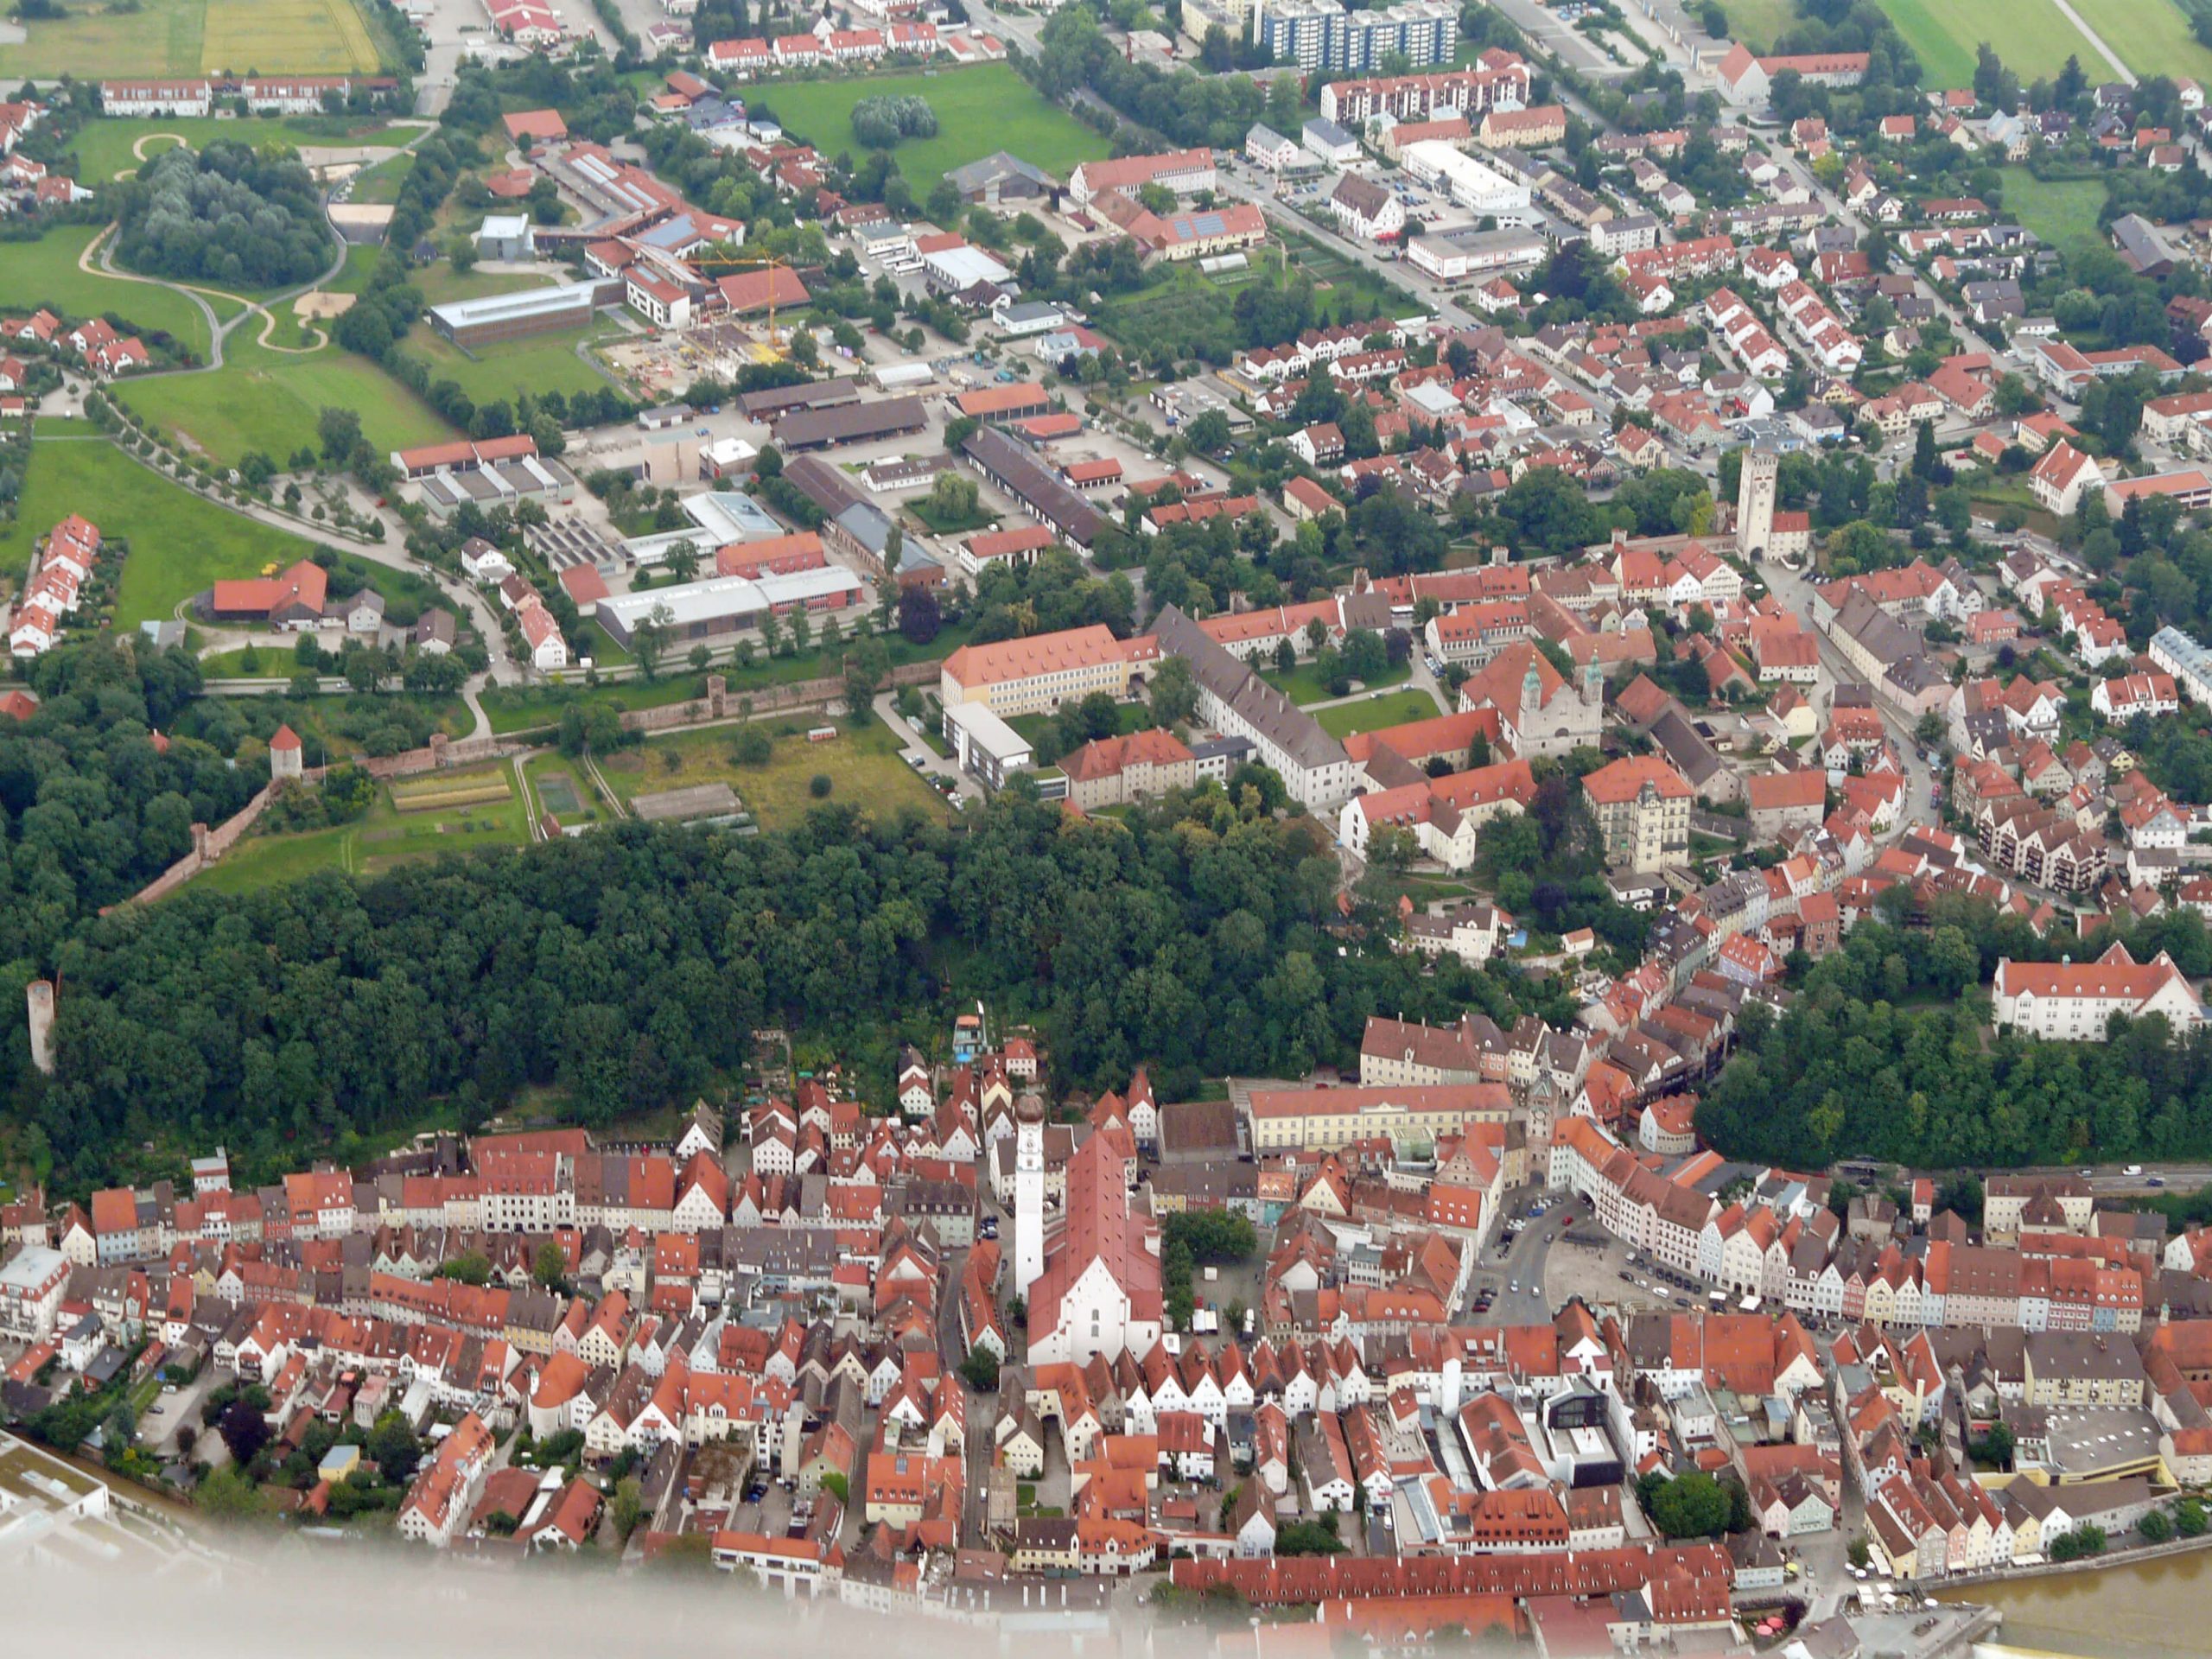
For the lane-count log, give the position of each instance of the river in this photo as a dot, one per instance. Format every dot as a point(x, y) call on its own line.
point(2143, 1611)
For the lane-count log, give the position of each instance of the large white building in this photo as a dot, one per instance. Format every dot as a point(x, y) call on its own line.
point(1314, 766)
point(1481, 190)
point(31, 1287)
point(1100, 1291)
point(169, 98)
point(2072, 1002)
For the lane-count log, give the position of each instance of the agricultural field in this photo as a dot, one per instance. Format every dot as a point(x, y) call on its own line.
point(179, 543)
point(489, 374)
point(322, 36)
point(44, 272)
point(411, 818)
point(979, 109)
point(863, 767)
point(1372, 713)
point(2033, 36)
point(105, 148)
point(2062, 212)
point(2151, 36)
point(269, 401)
point(191, 37)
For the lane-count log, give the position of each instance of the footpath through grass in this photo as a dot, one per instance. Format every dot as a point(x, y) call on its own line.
point(179, 543)
point(44, 272)
point(2151, 36)
point(104, 147)
point(1373, 714)
point(270, 401)
point(1302, 685)
point(2033, 36)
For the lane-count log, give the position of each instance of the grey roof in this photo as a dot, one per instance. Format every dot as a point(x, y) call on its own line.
point(996, 168)
point(866, 524)
point(850, 422)
point(1685, 746)
point(1266, 710)
point(1044, 493)
point(1362, 196)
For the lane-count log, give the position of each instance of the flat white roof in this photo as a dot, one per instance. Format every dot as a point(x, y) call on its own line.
point(501, 308)
point(719, 596)
point(965, 266)
point(989, 733)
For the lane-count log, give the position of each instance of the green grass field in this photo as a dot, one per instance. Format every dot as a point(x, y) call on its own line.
point(1301, 685)
point(2062, 212)
point(558, 784)
point(547, 363)
point(441, 283)
point(44, 272)
point(383, 837)
point(179, 544)
point(270, 402)
point(863, 767)
point(1373, 714)
point(2152, 37)
point(1759, 23)
point(104, 147)
point(979, 109)
point(518, 709)
point(2032, 37)
point(187, 37)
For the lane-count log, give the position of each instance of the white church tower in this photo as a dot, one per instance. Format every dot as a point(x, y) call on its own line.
point(1028, 1192)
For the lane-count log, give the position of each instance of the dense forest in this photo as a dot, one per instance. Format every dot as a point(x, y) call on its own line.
point(90, 808)
point(225, 214)
point(629, 969)
point(1883, 1053)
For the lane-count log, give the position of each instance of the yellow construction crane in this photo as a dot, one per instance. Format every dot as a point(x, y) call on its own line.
point(710, 264)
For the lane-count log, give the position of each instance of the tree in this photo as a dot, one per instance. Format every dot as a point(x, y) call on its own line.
point(1174, 693)
point(952, 498)
point(392, 1447)
point(1691, 1505)
point(918, 616)
point(2155, 1527)
point(549, 1266)
point(682, 560)
point(867, 665)
point(650, 637)
point(627, 1508)
point(981, 1369)
point(339, 432)
point(245, 1431)
point(229, 1498)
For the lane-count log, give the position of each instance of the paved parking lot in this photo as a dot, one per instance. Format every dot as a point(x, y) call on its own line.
point(1595, 1274)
